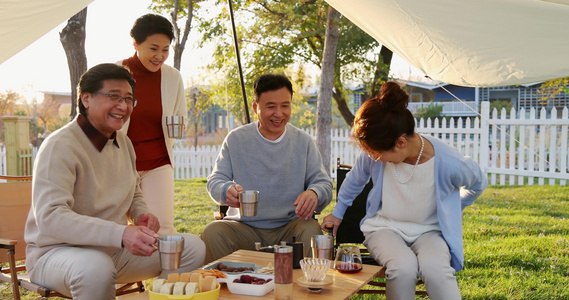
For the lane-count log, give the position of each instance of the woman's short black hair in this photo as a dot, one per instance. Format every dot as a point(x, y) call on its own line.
point(150, 24)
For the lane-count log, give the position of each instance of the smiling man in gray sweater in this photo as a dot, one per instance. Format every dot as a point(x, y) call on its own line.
point(276, 159)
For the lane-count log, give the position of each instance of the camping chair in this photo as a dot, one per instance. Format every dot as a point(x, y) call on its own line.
point(349, 230)
point(15, 202)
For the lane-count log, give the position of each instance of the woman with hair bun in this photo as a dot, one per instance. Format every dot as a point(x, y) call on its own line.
point(413, 222)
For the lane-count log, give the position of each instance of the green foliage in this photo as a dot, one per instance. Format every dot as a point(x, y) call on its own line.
point(550, 89)
point(8, 102)
point(58, 123)
point(431, 111)
point(281, 36)
point(499, 104)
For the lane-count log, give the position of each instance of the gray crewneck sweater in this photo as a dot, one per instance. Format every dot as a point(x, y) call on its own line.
point(279, 171)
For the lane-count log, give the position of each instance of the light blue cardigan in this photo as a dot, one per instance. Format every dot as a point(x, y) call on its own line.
point(452, 171)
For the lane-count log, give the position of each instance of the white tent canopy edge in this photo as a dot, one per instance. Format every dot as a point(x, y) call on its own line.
point(462, 42)
point(24, 21)
point(470, 43)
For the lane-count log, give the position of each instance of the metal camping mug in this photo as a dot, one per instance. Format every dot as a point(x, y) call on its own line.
point(170, 248)
point(248, 201)
point(322, 246)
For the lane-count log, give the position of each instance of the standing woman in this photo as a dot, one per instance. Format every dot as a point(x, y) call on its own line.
point(413, 221)
point(160, 93)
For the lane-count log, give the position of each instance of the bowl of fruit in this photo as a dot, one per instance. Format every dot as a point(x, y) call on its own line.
point(252, 284)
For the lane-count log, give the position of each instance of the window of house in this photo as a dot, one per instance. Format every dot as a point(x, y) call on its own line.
point(416, 97)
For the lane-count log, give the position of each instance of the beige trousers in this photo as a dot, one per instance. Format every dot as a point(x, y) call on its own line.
point(158, 189)
point(86, 274)
point(223, 237)
point(428, 258)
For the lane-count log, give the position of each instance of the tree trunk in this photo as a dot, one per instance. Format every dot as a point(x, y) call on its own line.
point(324, 104)
point(342, 103)
point(381, 74)
point(180, 42)
point(72, 38)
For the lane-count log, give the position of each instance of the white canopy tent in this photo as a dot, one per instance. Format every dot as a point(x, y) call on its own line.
point(24, 21)
point(470, 43)
point(463, 42)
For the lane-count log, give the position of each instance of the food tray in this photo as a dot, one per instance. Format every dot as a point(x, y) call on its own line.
point(250, 289)
point(232, 264)
point(211, 295)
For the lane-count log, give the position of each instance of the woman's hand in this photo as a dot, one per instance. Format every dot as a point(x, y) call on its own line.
point(331, 223)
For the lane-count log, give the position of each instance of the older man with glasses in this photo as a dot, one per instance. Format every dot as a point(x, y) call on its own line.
point(86, 190)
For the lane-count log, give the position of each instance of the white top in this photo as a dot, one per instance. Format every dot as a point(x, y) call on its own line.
point(408, 209)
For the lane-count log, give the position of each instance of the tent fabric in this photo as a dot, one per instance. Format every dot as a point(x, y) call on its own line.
point(24, 21)
point(462, 42)
point(470, 43)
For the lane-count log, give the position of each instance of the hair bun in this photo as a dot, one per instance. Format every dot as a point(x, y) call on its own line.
point(392, 97)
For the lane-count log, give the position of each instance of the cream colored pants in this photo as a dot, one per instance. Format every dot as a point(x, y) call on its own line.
point(428, 258)
point(158, 189)
point(87, 274)
point(225, 236)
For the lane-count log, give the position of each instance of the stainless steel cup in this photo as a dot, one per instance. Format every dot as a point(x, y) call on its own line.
point(175, 126)
point(322, 246)
point(170, 248)
point(248, 201)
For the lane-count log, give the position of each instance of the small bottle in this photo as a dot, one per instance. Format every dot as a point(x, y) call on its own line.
point(283, 272)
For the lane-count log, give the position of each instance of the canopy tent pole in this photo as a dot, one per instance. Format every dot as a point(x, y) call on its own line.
point(239, 62)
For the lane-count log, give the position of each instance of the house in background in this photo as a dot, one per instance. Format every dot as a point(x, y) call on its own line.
point(61, 98)
point(521, 96)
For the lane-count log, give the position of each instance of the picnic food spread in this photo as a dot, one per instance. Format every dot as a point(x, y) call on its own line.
point(224, 268)
point(184, 284)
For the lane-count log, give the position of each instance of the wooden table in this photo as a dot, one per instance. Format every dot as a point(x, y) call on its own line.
point(344, 286)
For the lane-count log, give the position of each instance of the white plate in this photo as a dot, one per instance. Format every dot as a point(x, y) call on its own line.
point(250, 289)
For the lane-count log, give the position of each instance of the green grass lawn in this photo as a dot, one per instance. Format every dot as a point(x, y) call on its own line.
point(515, 239)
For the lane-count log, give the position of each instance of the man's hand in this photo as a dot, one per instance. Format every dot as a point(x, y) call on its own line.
point(139, 240)
point(150, 221)
point(331, 223)
point(232, 197)
point(306, 204)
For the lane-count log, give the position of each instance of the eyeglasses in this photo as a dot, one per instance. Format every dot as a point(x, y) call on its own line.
point(117, 99)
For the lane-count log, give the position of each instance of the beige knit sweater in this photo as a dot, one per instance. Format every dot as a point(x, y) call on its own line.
point(81, 197)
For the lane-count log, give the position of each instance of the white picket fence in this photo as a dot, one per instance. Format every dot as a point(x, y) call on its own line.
point(513, 149)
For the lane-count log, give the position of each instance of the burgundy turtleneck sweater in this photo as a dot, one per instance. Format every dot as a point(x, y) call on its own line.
point(145, 129)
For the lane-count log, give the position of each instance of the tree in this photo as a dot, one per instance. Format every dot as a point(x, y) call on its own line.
point(276, 35)
point(550, 89)
point(72, 38)
point(178, 10)
point(324, 105)
point(8, 102)
point(198, 105)
point(44, 115)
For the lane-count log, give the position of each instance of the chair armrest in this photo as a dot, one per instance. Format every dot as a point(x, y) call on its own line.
point(7, 242)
